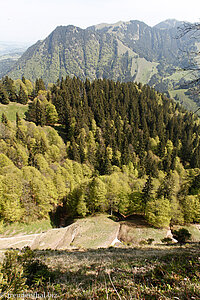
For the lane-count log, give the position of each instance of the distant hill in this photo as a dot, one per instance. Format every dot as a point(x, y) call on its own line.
point(125, 51)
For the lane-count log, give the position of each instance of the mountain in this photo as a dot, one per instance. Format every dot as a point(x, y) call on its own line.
point(169, 23)
point(125, 51)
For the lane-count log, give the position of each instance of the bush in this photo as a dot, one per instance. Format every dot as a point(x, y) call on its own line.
point(38, 274)
point(150, 241)
point(167, 241)
point(12, 277)
point(21, 270)
point(182, 235)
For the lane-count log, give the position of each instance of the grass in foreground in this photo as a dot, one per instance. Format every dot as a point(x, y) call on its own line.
point(114, 273)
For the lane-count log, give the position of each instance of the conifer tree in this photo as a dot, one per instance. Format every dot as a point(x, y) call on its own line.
point(4, 98)
point(4, 119)
point(19, 133)
point(22, 97)
point(39, 85)
point(8, 84)
point(147, 192)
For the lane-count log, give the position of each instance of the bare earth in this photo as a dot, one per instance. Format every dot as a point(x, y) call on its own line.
point(91, 233)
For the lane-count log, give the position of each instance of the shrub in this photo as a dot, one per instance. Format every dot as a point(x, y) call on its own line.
point(182, 235)
point(150, 241)
point(143, 242)
point(12, 277)
point(21, 270)
point(167, 240)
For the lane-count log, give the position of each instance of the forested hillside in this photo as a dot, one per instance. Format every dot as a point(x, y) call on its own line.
point(114, 147)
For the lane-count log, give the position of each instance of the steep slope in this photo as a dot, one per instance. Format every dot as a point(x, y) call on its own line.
point(125, 51)
point(91, 232)
point(116, 51)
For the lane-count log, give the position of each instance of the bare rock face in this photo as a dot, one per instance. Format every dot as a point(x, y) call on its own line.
point(125, 51)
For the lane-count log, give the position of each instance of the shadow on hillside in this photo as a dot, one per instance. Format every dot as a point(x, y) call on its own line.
point(61, 131)
point(59, 219)
point(134, 220)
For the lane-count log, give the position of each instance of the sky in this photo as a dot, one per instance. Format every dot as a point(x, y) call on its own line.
point(27, 21)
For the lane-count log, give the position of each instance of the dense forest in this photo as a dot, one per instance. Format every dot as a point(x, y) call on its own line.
point(101, 146)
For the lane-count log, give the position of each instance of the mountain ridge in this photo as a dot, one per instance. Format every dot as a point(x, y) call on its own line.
point(123, 51)
point(132, 31)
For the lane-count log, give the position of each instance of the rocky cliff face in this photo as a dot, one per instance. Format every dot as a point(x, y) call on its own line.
point(123, 51)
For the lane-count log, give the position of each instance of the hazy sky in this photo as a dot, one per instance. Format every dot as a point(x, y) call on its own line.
point(32, 20)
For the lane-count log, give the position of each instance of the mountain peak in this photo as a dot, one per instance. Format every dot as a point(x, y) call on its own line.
point(122, 24)
point(108, 25)
point(169, 23)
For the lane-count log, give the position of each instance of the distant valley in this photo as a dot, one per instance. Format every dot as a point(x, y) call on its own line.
point(9, 54)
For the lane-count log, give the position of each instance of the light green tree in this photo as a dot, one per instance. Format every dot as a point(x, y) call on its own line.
point(10, 208)
point(51, 114)
point(158, 212)
point(97, 195)
point(40, 194)
point(81, 206)
point(191, 208)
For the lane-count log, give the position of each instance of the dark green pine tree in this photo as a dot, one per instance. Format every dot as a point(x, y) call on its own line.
point(151, 165)
point(36, 112)
point(107, 166)
point(19, 133)
point(74, 151)
point(39, 86)
point(18, 119)
point(166, 188)
point(23, 80)
point(195, 161)
point(40, 113)
point(4, 98)
point(8, 84)
point(31, 112)
point(22, 97)
point(167, 162)
point(147, 193)
point(4, 119)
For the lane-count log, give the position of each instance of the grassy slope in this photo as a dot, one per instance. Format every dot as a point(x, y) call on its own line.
point(11, 230)
point(139, 272)
point(95, 232)
point(91, 232)
point(132, 273)
point(11, 109)
point(185, 100)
